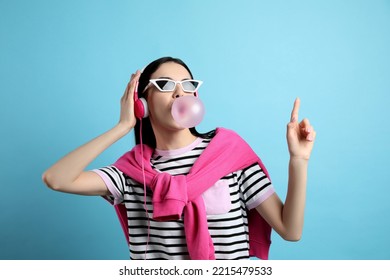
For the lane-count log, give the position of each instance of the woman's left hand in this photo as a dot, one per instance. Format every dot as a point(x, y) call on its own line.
point(300, 136)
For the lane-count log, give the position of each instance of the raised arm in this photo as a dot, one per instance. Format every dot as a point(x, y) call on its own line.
point(69, 175)
point(287, 219)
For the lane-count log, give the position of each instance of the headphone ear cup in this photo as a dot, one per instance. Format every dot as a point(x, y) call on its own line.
point(140, 105)
point(141, 108)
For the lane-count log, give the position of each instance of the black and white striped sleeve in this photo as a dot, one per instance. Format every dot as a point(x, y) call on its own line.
point(255, 185)
point(115, 182)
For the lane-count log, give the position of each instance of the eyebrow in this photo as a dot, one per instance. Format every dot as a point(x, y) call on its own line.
point(173, 79)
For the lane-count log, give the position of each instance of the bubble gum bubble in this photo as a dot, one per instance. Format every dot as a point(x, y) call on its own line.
point(188, 111)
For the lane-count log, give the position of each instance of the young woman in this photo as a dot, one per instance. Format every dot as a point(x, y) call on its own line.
point(186, 195)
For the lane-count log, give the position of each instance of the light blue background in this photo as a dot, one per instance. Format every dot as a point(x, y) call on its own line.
point(65, 64)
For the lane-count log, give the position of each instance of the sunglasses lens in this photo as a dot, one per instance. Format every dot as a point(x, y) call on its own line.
point(165, 85)
point(190, 86)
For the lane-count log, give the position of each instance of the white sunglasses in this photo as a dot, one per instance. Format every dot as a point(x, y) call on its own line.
point(167, 85)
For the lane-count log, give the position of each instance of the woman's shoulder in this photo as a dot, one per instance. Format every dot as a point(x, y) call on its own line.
point(227, 133)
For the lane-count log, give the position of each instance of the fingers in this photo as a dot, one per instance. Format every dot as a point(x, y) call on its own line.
point(132, 85)
point(304, 128)
point(307, 130)
point(295, 111)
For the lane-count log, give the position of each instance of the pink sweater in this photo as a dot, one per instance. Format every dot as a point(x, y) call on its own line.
point(176, 195)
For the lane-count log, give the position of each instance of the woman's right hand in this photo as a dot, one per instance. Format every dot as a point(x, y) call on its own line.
point(127, 117)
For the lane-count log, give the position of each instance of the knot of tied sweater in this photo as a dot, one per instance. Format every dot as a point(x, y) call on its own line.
point(170, 196)
point(172, 199)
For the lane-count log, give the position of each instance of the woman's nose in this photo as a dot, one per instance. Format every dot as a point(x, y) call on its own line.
point(178, 92)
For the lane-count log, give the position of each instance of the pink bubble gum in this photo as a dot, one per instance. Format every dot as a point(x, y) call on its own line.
point(188, 111)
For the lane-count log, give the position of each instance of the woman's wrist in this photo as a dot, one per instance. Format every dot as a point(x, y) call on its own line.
point(123, 128)
point(299, 161)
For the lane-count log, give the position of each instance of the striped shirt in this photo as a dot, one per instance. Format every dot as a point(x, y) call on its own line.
point(227, 204)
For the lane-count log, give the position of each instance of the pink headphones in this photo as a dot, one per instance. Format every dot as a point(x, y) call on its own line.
point(140, 105)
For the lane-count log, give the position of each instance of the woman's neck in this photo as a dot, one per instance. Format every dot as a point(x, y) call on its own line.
point(174, 139)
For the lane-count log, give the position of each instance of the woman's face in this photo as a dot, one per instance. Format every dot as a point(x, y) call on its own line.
point(160, 103)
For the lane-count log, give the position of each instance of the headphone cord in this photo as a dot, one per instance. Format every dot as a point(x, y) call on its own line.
point(144, 183)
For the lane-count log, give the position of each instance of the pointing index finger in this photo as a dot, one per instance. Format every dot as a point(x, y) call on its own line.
point(294, 113)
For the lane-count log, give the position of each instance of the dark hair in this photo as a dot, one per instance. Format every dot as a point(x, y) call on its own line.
point(148, 136)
